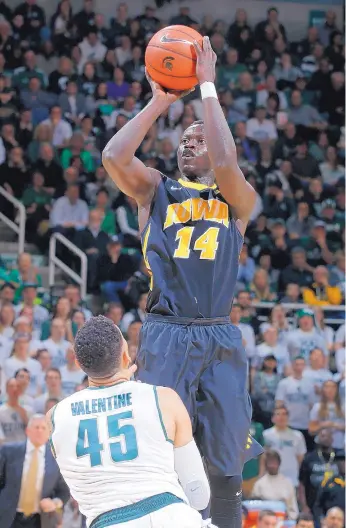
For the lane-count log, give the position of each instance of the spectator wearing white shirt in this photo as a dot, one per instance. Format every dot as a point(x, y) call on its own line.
point(56, 344)
point(22, 325)
point(248, 335)
point(328, 414)
point(13, 417)
point(340, 360)
point(21, 359)
point(138, 314)
point(275, 486)
point(69, 211)
point(54, 390)
point(44, 359)
point(71, 374)
point(271, 346)
point(315, 372)
point(40, 314)
point(7, 315)
point(72, 293)
point(92, 49)
point(5, 349)
point(261, 129)
point(322, 329)
point(62, 130)
point(22, 377)
point(300, 342)
point(123, 52)
point(290, 444)
point(279, 320)
point(340, 337)
point(263, 389)
point(271, 88)
point(298, 396)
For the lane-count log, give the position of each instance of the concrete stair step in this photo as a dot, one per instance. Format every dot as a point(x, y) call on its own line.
point(44, 272)
point(12, 247)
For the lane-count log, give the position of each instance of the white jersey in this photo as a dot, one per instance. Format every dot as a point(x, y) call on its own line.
point(112, 448)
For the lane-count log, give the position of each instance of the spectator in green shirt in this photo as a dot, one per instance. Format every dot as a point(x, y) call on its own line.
point(229, 73)
point(3, 276)
point(76, 149)
point(25, 273)
point(108, 224)
point(37, 202)
point(22, 75)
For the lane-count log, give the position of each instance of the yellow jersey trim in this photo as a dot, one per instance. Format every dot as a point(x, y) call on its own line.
point(144, 249)
point(197, 186)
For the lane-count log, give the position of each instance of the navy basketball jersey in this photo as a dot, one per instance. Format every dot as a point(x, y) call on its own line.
point(191, 247)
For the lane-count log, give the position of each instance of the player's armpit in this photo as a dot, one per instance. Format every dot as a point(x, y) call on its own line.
point(134, 178)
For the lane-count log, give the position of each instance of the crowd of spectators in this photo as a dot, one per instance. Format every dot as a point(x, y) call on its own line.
point(66, 86)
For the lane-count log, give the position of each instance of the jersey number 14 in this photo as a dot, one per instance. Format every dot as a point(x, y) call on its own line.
point(207, 243)
point(122, 449)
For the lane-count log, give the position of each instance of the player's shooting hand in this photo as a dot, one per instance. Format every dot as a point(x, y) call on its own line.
point(163, 96)
point(206, 61)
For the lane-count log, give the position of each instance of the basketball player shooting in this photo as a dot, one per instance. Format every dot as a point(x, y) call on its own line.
point(192, 233)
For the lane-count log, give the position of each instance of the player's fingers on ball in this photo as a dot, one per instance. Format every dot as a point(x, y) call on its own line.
point(197, 47)
point(207, 46)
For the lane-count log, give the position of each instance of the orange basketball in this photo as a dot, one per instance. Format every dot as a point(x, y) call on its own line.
point(170, 57)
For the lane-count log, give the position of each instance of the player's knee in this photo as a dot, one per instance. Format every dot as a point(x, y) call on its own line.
point(226, 487)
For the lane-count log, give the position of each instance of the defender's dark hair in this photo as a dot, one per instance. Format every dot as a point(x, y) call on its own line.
point(98, 347)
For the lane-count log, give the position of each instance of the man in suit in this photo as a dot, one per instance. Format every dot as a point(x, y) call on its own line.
point(93, 241)
point(73, 104)
point(32, 490)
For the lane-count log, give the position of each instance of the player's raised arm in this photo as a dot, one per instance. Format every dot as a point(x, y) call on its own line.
point(187, 460)
point(220, 143)
point(118, 157)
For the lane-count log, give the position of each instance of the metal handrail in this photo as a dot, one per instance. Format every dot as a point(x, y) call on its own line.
point(20, 228)
point(55, 261)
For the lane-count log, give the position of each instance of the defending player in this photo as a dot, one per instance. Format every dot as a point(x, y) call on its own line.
point(121, 445)
point(192, 233)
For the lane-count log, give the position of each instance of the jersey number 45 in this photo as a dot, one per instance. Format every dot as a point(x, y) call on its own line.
point(122, 449)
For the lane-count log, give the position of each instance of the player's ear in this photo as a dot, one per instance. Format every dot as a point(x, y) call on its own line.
point(125, 357)
point(77, 362)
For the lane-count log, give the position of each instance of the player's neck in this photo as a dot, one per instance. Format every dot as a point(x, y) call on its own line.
point(206, 179)
point(118, 377)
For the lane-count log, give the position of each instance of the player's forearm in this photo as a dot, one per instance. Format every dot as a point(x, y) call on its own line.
point(123, 145)
point(223, 157)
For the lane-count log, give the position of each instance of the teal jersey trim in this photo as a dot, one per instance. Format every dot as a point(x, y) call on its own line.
point(53, 428)
point(105, 386)
point(160, 416)
point(135, 511)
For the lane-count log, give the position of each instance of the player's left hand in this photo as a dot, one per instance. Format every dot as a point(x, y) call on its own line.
point(206, 61)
